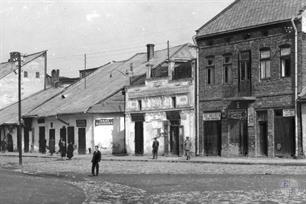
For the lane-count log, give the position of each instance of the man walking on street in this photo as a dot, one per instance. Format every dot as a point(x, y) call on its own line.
point(187, 145)
point(155, 148)
point(96, 158)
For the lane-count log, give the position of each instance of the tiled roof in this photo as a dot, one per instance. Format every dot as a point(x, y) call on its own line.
point(8, 67)
point(104, 82)
point(251, 13)
point(9, 114)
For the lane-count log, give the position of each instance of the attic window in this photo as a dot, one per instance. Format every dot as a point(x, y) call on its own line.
point(25, 74)
point(37, 74)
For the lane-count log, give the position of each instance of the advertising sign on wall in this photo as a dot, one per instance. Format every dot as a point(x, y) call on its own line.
point(212, 116)
point(104, 121)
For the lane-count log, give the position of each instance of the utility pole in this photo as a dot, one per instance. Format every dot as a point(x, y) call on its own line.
point(16, 57)
point(168, 50)
point(85, 71)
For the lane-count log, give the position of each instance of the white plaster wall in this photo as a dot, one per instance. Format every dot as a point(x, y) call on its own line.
point(187, 120)
point(30, 85)
point(130, 135)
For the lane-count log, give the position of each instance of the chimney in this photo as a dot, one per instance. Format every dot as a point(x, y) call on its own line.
point(55, 78)
point(14, 56)
point(150, 51)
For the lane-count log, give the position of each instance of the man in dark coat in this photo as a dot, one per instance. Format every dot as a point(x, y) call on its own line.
point(70, 150)
point(155, 146)
point(96, 158)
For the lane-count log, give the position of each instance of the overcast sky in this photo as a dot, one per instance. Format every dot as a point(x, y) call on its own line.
point(105, 30)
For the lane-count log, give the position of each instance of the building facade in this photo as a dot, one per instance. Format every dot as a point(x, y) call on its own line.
point(162, 106)
point(250, 72)
point(33, 78)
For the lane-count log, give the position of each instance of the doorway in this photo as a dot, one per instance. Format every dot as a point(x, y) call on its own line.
point(239, 135)
point(42, 139)
point(52, 140)
point(10, 145)
point(284, 136)
point(63, 135)
point(176, 138)
point(71, 135)
point(26, 139)
point(263, 138)
point(212, 138)
point(138, 138)
point(82, 141)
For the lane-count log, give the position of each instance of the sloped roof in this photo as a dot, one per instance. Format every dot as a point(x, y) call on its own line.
point(101, 84)
point(244, 14)
point(8, 67)
point(9, 114)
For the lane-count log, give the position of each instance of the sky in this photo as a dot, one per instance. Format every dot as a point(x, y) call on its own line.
point(104, 30)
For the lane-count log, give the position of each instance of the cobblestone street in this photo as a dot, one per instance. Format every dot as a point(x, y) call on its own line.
point(171, 181)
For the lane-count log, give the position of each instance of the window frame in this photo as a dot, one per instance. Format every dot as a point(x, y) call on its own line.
point(37, 75)
point(227, 69)
point(284, 58)
point(247, 66)
point(266, 61)
point(210, 70)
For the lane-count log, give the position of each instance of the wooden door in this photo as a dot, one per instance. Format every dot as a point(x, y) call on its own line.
point(174, 140)
point(212, 138)
point(138, 138)
point(284, 139)
point(263, 138)
point(10, 145)
point(26, 139)
point(239, 135)
point(71, 135)
point(52, 140)
point(82, 141)
point(42, 139)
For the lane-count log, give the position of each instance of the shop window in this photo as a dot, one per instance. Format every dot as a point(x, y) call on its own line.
point(265, 64)
point(227, 69)
point(285, 61)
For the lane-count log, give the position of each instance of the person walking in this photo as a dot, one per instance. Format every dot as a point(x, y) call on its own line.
point(155, 146)
point(96, 158)
point(187, 145)
point(70, 150)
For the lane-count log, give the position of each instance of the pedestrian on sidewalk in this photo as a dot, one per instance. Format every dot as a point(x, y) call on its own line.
point(70, 151)
point(63, 148)
point(155, 146)
point(187, 146)
point(96, 158)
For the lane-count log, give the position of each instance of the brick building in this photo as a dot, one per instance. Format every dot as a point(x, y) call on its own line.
point(248, 85)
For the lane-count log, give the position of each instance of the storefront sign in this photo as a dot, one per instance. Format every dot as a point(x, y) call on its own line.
point(288, 112)
point(212, 116)
point(239, 114)
point(182, 100)
point(81, 123)
point(104, 121)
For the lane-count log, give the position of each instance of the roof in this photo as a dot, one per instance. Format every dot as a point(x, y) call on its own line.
point(8, 67)
point(9, 114)
point(243, 14)
point(104, 83)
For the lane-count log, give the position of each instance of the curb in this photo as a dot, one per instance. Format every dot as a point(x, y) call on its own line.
point(180, 161)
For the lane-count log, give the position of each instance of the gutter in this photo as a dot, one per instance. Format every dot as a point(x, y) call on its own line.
point(295, 84)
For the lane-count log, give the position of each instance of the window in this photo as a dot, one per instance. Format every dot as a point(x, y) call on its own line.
point(37, 74)
point(285, 61)
point(25, 74)
point(227, 69)
point(174, 102)
point(265, 64)
point(139, 104)
point(210, 70)
point(245, 66)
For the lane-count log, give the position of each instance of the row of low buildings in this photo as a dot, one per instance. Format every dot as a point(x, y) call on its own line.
point(239, 91)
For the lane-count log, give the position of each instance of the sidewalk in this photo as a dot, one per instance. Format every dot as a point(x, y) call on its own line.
point(198, 159)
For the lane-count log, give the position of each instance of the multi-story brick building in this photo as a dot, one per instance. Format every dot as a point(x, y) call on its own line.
point(248, 85)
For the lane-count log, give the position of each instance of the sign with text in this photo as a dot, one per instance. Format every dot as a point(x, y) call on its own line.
point(81, 123)
point(288, 112)
point(239, 114)
point(104, 121)
point(212, 116)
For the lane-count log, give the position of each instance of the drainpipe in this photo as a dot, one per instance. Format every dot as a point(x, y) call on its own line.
point(295, 83)
point(196, 100)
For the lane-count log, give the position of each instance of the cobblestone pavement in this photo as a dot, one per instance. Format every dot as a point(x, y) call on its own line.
point(288, 190)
